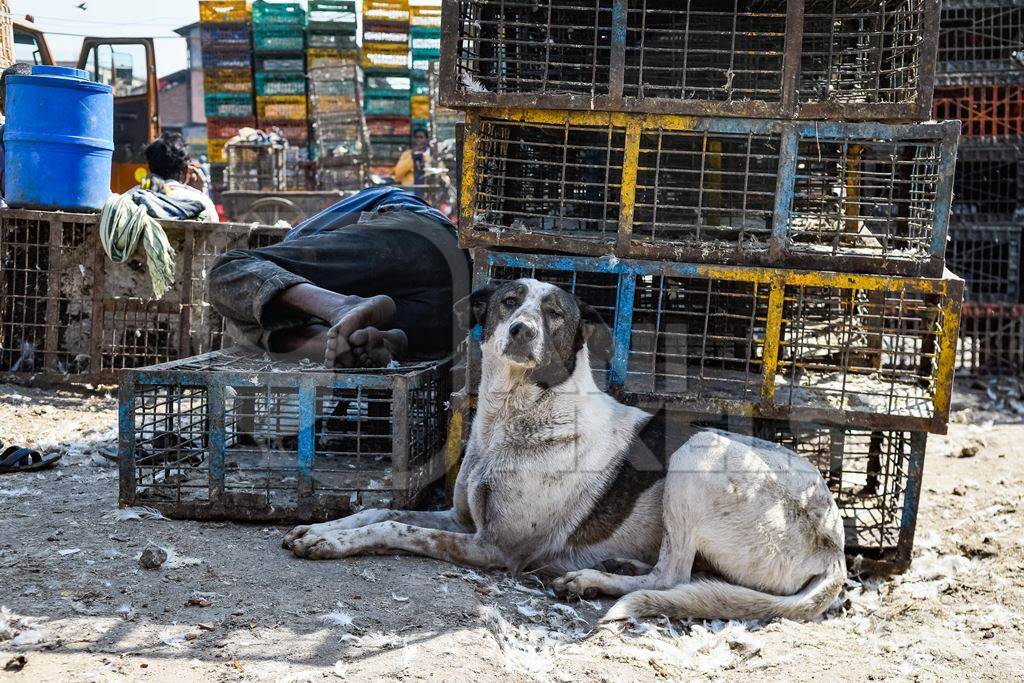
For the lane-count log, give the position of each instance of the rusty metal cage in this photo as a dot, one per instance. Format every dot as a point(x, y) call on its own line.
point(988, 258)
point(989, 183)
point(979, 37)
point(860, 197)
point(857, 59)
point(860, 350)
point(991, 339)
point(986, 111)
point(66, 311)
point(231, 436)
point(257, 165)
point(341, 138)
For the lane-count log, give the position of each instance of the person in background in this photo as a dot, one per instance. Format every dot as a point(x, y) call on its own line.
point(409, 169)
point(16, 69)
point(173, 173)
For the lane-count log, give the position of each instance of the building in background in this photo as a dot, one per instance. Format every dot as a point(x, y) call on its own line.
point(181, 95)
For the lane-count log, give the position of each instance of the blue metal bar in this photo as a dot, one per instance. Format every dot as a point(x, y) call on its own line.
point(217, 435)
point(785, 187)
point(126, 442)
point(618, 370)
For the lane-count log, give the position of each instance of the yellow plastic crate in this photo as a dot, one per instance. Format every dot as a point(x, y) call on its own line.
point(377, 58)
point(420, 106)
point(224, 11)
point(281, 107)
point(320, 57)
point(215, 150)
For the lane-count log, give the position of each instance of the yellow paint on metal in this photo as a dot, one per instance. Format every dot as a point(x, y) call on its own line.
point(772, 337)
point(853, 189)
point(627, 190)
point(453, 448)
point(945, 364)
point(468, 195)
point(557, 117)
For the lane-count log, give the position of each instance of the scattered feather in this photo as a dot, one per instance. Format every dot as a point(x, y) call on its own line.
point(134, 514)
point(398, 598)
point(173, 638)
point(339, 618)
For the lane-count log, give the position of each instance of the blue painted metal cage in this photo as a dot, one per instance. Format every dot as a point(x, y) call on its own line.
point(858, 350)
point(226, 435)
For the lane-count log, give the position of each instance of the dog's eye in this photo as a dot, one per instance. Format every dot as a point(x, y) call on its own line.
point(510, 301)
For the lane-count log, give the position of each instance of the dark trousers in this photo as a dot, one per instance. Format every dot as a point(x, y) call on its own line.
point(408, 256)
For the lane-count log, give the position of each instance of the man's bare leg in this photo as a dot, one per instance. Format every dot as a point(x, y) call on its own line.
point(343, 315)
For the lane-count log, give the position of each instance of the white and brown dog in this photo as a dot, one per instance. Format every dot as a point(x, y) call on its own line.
point(558, 475)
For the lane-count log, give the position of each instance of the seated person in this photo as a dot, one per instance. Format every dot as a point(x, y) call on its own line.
point(409, 170)
point(173, 173)
point(368, 280)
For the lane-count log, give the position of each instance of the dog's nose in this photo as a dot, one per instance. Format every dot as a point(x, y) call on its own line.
point(522, 332)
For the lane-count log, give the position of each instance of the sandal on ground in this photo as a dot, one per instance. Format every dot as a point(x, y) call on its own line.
point(16, 459)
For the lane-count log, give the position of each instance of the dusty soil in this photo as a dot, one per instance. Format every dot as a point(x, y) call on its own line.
point(229, 604)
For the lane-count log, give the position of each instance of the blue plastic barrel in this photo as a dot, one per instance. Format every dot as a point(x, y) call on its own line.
point(58, 140)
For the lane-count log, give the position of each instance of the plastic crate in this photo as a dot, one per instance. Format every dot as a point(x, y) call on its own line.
point(226, 59)
point(425, 15)
point(321, 58)
point(277, 63)
point(226, 436)
point(281, 107)
point(295, 132)
point(773, 59)
point(989, 185)
point(385, 152)
point(348, 177)
point(389, 126)
point(331, 41)
point(222, 129)
point(425, 41)
point(988, 258)
point(281, 83)
point(227, 80)
point(224, 36)
point(277, 40)
point(991, 339)
point(224, 11)
point(385, 106)
point(865, 197)
point(278, 14)
point(858, 350)
point(981, 37)
point(419, 106)
point(215, 150)
point(385, 60)
point(228, 105)
point(991, 111)
point(386, 33)
point(67, 313)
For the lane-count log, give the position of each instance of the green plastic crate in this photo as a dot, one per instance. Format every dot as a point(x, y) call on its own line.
point(227, 104)
point(386, 106)
point(278, 14)
point(281, 83)
point(276, 40)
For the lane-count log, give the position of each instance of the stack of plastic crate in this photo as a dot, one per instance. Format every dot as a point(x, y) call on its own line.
point(279, 39)
point(980, 80)
point(385, 60)
point(227, 73)
point(338, 144)
point(724, 182)
point(424, 51)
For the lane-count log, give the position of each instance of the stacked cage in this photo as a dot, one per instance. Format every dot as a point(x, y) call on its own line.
point(339, 144)
point(279, 42)
point(227, 74)
point(724, 183)
point(980, 80)
point(386, 86)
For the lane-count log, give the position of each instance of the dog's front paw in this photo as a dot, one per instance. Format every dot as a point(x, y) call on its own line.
point(582, 583)
point(317, 542)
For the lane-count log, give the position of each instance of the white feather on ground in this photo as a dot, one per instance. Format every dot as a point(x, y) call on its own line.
point(339, 618)
point(134, 514)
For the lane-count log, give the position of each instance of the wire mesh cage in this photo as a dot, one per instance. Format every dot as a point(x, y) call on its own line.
point(231, 436)
point(66, 311)
point(979, 37)
point(761, 58)
point(257, 164)
point(991, 339)
point(865, 350)
point(868, 197)
point(985, 111)
point(988, 258)
point(341, 139)
point(989, 183)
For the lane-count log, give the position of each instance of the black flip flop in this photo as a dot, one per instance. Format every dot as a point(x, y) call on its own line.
point(16, 459)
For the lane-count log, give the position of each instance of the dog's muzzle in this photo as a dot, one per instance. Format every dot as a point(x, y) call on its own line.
point(522, 337)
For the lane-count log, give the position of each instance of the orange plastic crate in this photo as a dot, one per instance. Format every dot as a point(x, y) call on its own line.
point(224, 11)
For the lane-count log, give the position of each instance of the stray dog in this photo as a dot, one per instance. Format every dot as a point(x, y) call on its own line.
point(558, 475)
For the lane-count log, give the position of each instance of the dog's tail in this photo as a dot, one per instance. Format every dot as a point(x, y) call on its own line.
point(715, 599)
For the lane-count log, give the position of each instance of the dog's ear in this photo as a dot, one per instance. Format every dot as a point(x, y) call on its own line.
point(593, 331)
point(472, 310)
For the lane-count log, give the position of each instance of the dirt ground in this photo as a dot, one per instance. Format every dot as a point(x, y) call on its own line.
point(231, 605)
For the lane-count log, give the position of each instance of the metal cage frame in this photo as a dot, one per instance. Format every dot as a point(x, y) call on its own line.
point(800, 41)
point(988, 258)
point(858, 350)
point(1000, 23)
point(884, 220)
point(105, 323)
point(991, 339)
point(312, 439)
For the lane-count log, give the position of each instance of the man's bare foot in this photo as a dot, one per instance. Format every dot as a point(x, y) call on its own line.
point(308, 341)
point(373, 348)
point(375, 311)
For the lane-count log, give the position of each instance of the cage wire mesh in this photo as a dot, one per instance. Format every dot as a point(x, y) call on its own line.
point(991, 339)
point(851, 59)
point(981, 37)
point(988, 258)
point(989, 183)
point(837, 197)
point(238, 437)
point(987, 111)
point(67, 311)
point(786, 344)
